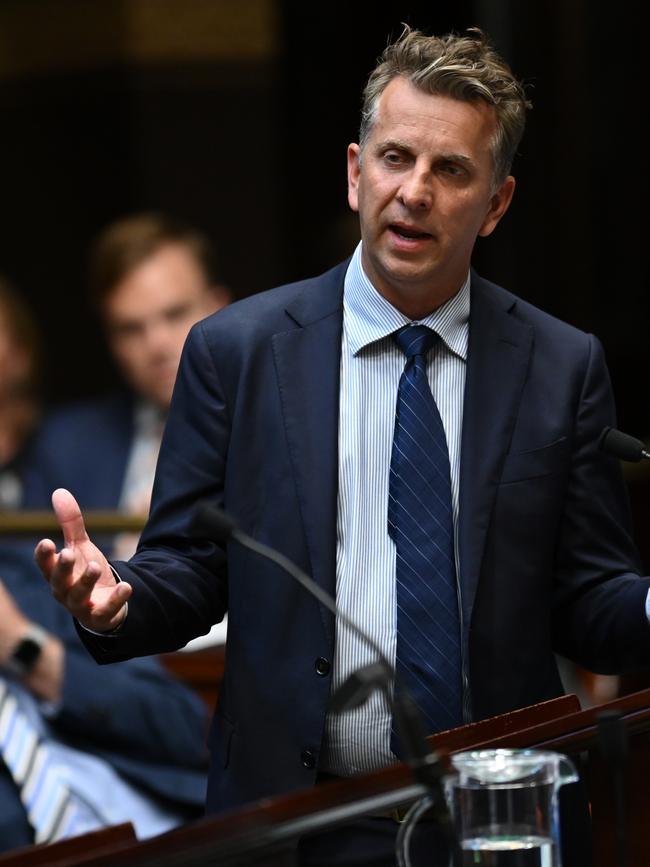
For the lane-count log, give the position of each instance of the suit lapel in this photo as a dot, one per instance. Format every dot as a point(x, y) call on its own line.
point(498, 356)
point(307, 361)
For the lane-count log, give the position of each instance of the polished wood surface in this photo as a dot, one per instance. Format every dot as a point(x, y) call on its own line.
point(43, 523)
point(68, 852)
point(265, 831)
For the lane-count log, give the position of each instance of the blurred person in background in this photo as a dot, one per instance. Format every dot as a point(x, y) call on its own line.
point(20, 360)
point(128, 741)
point(151, 278)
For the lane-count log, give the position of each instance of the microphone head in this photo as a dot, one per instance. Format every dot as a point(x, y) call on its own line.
point(358, 686)
point(212, 522)
point(621, 445)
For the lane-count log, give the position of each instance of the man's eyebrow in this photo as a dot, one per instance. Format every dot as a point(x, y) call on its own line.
point(400, 144)
point(455, 158)
point(393, 144)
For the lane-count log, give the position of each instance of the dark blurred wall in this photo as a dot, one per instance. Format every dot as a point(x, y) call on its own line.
point(236, 116)
point(575, 240)
point(120, 105)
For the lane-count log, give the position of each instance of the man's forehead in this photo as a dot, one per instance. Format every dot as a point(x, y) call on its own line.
point(408, 116)
point(404, 100)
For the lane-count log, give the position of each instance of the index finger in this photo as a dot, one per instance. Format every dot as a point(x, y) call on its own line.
point(69, 516)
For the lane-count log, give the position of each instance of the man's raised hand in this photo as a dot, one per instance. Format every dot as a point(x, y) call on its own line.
point(79, 574)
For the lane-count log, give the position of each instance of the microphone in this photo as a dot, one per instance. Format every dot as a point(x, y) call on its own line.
point(214, 523)
point(621, 445)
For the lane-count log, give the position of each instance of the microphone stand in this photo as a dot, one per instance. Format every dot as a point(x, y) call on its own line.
point(424, 764)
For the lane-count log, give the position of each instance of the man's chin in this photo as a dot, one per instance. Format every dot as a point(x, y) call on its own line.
point(160, 397)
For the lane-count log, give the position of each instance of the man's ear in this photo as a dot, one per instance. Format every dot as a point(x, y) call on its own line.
point(354, 172)
point(499, 204)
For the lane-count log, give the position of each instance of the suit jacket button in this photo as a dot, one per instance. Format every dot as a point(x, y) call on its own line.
point(322, 666)
point(308, 758)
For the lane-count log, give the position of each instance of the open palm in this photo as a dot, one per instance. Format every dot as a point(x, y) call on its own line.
point(79, 575)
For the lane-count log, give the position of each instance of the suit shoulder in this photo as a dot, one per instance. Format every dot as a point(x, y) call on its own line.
point(84, 417)
point(279, 309)
point(275, 307)
point(542, 323)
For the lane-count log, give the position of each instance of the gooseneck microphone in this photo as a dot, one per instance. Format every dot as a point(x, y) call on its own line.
point(621, 445)
point(215, 524)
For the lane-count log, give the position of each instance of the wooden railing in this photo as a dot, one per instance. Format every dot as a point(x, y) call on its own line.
point(41, 523)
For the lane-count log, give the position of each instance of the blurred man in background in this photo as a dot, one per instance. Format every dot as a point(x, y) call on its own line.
point(151, 278)
point(126, 743)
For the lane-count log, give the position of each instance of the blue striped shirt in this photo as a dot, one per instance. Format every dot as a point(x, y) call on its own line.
point(371, 365)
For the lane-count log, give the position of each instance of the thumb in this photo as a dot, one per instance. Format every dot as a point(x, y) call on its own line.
point(69, 516)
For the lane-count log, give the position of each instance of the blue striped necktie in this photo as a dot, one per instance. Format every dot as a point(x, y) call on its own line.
point(51, 811)
point(428, 656)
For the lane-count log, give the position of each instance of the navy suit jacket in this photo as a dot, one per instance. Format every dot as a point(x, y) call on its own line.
point(546, 559)
point(85, 448)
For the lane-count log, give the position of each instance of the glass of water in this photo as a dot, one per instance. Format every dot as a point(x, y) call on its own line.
point(504, 804)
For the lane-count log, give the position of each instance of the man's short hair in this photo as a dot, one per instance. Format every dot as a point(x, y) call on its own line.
point(462, 67)
point(128, 242)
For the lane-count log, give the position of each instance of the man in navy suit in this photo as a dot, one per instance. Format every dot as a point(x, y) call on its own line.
point(283, 414)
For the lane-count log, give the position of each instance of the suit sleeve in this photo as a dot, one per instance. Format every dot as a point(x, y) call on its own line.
point(179, 578)
point(599, 598)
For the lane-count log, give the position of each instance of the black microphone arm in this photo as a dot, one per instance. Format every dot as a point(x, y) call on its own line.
point(622, 446)
point(216, 524)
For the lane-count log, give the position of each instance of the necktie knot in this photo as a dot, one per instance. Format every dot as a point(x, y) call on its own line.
point(415, 339)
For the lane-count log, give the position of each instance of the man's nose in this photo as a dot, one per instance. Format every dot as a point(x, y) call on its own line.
point(416, 190)
point(159, 337)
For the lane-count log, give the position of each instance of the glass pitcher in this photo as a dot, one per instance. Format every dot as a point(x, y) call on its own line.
point(504, 805)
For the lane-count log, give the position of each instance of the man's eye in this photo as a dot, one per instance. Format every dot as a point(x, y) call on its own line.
point(175, 314)
point(126, 330)
point(393, 158)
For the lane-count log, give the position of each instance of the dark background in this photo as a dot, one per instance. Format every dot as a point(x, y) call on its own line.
point(246, 138)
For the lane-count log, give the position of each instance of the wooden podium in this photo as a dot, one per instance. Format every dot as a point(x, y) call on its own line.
point(264, 833)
